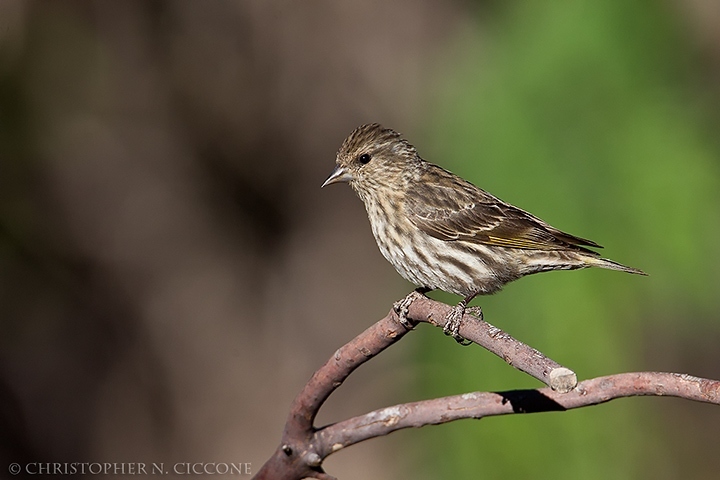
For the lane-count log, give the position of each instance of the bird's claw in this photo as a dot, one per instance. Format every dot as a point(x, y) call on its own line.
point(401, 308)
point(452, 325)
point(476, 311)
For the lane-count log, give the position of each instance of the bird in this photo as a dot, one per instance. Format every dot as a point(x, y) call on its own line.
point(442, 232)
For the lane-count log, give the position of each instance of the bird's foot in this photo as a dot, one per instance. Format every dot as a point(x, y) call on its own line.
point(452, 325)
point(476, 311)
point(401, 307)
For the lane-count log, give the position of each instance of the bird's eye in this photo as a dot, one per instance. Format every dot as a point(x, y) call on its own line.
point(364, 158)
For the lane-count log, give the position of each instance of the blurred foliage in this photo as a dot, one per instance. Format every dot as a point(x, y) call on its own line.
point(593, 116)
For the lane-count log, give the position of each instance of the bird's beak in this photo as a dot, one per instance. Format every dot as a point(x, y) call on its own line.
point(338, 175)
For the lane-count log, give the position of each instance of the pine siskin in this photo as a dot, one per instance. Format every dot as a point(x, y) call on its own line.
point(442, 232)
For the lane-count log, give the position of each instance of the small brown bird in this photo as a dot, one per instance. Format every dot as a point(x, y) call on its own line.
point(442, 232)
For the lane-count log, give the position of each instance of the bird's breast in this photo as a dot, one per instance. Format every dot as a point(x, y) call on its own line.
point(454, 267)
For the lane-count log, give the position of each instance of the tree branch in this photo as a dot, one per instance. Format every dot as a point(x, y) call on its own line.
point(513, 351)
point(485, 404)
point(304, 447)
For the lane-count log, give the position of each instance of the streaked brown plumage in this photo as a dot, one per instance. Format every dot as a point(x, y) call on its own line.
point(442, 232)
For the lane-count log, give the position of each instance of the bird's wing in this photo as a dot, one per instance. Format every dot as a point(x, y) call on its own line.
point(452, 209)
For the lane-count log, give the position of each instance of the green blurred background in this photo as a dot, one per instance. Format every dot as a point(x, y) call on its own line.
point(171, 273)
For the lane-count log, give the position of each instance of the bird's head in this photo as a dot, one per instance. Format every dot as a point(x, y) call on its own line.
point(373, 157)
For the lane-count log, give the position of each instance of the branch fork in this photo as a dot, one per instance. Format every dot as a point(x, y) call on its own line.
point(304, 447)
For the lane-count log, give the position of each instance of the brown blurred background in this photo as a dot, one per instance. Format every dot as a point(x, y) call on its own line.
point(171, 273)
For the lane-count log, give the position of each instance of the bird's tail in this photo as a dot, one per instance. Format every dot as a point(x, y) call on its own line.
point(612, 265)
